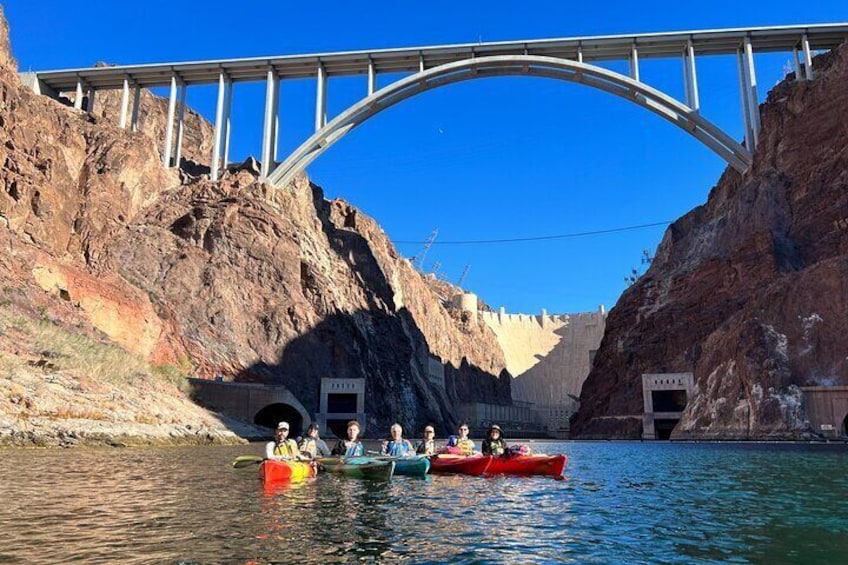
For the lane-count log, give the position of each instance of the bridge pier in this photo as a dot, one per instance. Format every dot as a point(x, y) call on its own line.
point(751, 81)
point(169, 124)
point(808, 58)
point(745, 102)
point(321, 98)
point(634, 62)
point(269, 131)
point(690, 76)
point(136, 108)
point(125, 103)
point(78, 95)
point(372, 77)
point(178, 152)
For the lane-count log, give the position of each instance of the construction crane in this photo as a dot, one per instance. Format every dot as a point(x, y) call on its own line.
point(418, 260)
point(463, 275)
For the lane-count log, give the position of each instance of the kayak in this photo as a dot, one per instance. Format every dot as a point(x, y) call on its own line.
point(359, 467)
point(467, 465)
point(550, 465)
point(412, 465)
point(272, 471)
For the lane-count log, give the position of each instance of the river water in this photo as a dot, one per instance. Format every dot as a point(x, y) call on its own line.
point(619, 503)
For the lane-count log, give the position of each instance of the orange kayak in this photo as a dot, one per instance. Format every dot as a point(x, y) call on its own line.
point(473, 465)
point(279, 471)
point(550, 465)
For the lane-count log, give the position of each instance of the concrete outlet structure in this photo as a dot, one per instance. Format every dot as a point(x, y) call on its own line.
point(827, 409)
point(665, 397)
point(342, 400)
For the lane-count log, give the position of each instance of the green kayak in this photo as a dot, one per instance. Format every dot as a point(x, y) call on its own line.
point(413, 465)
point(359, 467)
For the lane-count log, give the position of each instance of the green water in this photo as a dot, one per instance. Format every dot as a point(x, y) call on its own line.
point(620, 503)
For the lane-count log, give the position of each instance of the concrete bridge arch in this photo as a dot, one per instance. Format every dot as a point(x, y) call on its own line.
point(629, 88)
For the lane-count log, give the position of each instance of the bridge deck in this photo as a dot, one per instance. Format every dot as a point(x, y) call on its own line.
point(593, 48)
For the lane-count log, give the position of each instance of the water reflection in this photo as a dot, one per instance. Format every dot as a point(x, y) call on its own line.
point(621, 502)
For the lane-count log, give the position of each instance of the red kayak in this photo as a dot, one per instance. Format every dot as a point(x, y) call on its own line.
point(280, 471)
point(550, 465)
point(473, 465)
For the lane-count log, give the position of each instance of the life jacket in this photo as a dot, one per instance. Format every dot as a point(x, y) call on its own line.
point(465, 446)
point(310, 446)
point(426, 447)
point(286, 449)
point(400, 448)
point(494, 447)
point(348, 448)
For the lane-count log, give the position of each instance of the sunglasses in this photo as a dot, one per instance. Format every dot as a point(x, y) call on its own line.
point(429, 432)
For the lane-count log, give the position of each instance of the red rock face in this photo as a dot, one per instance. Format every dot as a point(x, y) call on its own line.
point(748, 291)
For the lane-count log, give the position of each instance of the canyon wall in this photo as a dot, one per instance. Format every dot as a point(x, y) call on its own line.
point(749, 291)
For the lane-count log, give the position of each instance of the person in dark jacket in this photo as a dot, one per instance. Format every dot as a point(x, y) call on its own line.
point(350, 447)
point(427, 446)
point(494, 444)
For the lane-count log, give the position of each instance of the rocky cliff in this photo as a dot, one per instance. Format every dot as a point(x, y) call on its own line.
point(120, 277)
point(748, 291)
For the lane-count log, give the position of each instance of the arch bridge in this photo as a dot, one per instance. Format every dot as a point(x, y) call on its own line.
point(575, 59)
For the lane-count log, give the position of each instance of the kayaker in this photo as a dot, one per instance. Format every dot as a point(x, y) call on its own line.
point(282, 447)
point(397, 446)
point(427, 446)
point(350, 447)
point(494, 443)
point(463, 443)
point(313, 446)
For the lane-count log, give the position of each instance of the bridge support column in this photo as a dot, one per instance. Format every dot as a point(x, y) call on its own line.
point(691, 75)
point(796, 64)
point(634, 62)
point(321, 99)
point(89, 104)
point(753, 101)
point(228, 110)
point(743, 92)
point(136, 108)
point(808, 58)
point(276, 134)
point(269, 151)
point(178, 153)
point(78, 95)
point(125, 103)
point(169, 124)
point(219, 122)
point(372, 77)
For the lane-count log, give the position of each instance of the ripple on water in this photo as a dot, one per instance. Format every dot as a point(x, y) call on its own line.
point(620, 502)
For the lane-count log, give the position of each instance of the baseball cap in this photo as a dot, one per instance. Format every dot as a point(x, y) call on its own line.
point(283, 426)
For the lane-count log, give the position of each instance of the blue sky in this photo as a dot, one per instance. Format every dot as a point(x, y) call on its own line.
point(485, 159)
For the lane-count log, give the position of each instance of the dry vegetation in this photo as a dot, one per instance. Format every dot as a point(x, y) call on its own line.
point(62, 387)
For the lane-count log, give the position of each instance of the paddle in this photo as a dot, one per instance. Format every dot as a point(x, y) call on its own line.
point(247, 460)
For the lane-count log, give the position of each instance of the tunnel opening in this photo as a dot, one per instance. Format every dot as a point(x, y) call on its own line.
point(669, 400)
point(337, 427)
point(845, 425)
point(341, 403)
point(273, 414)
point(664, 427)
